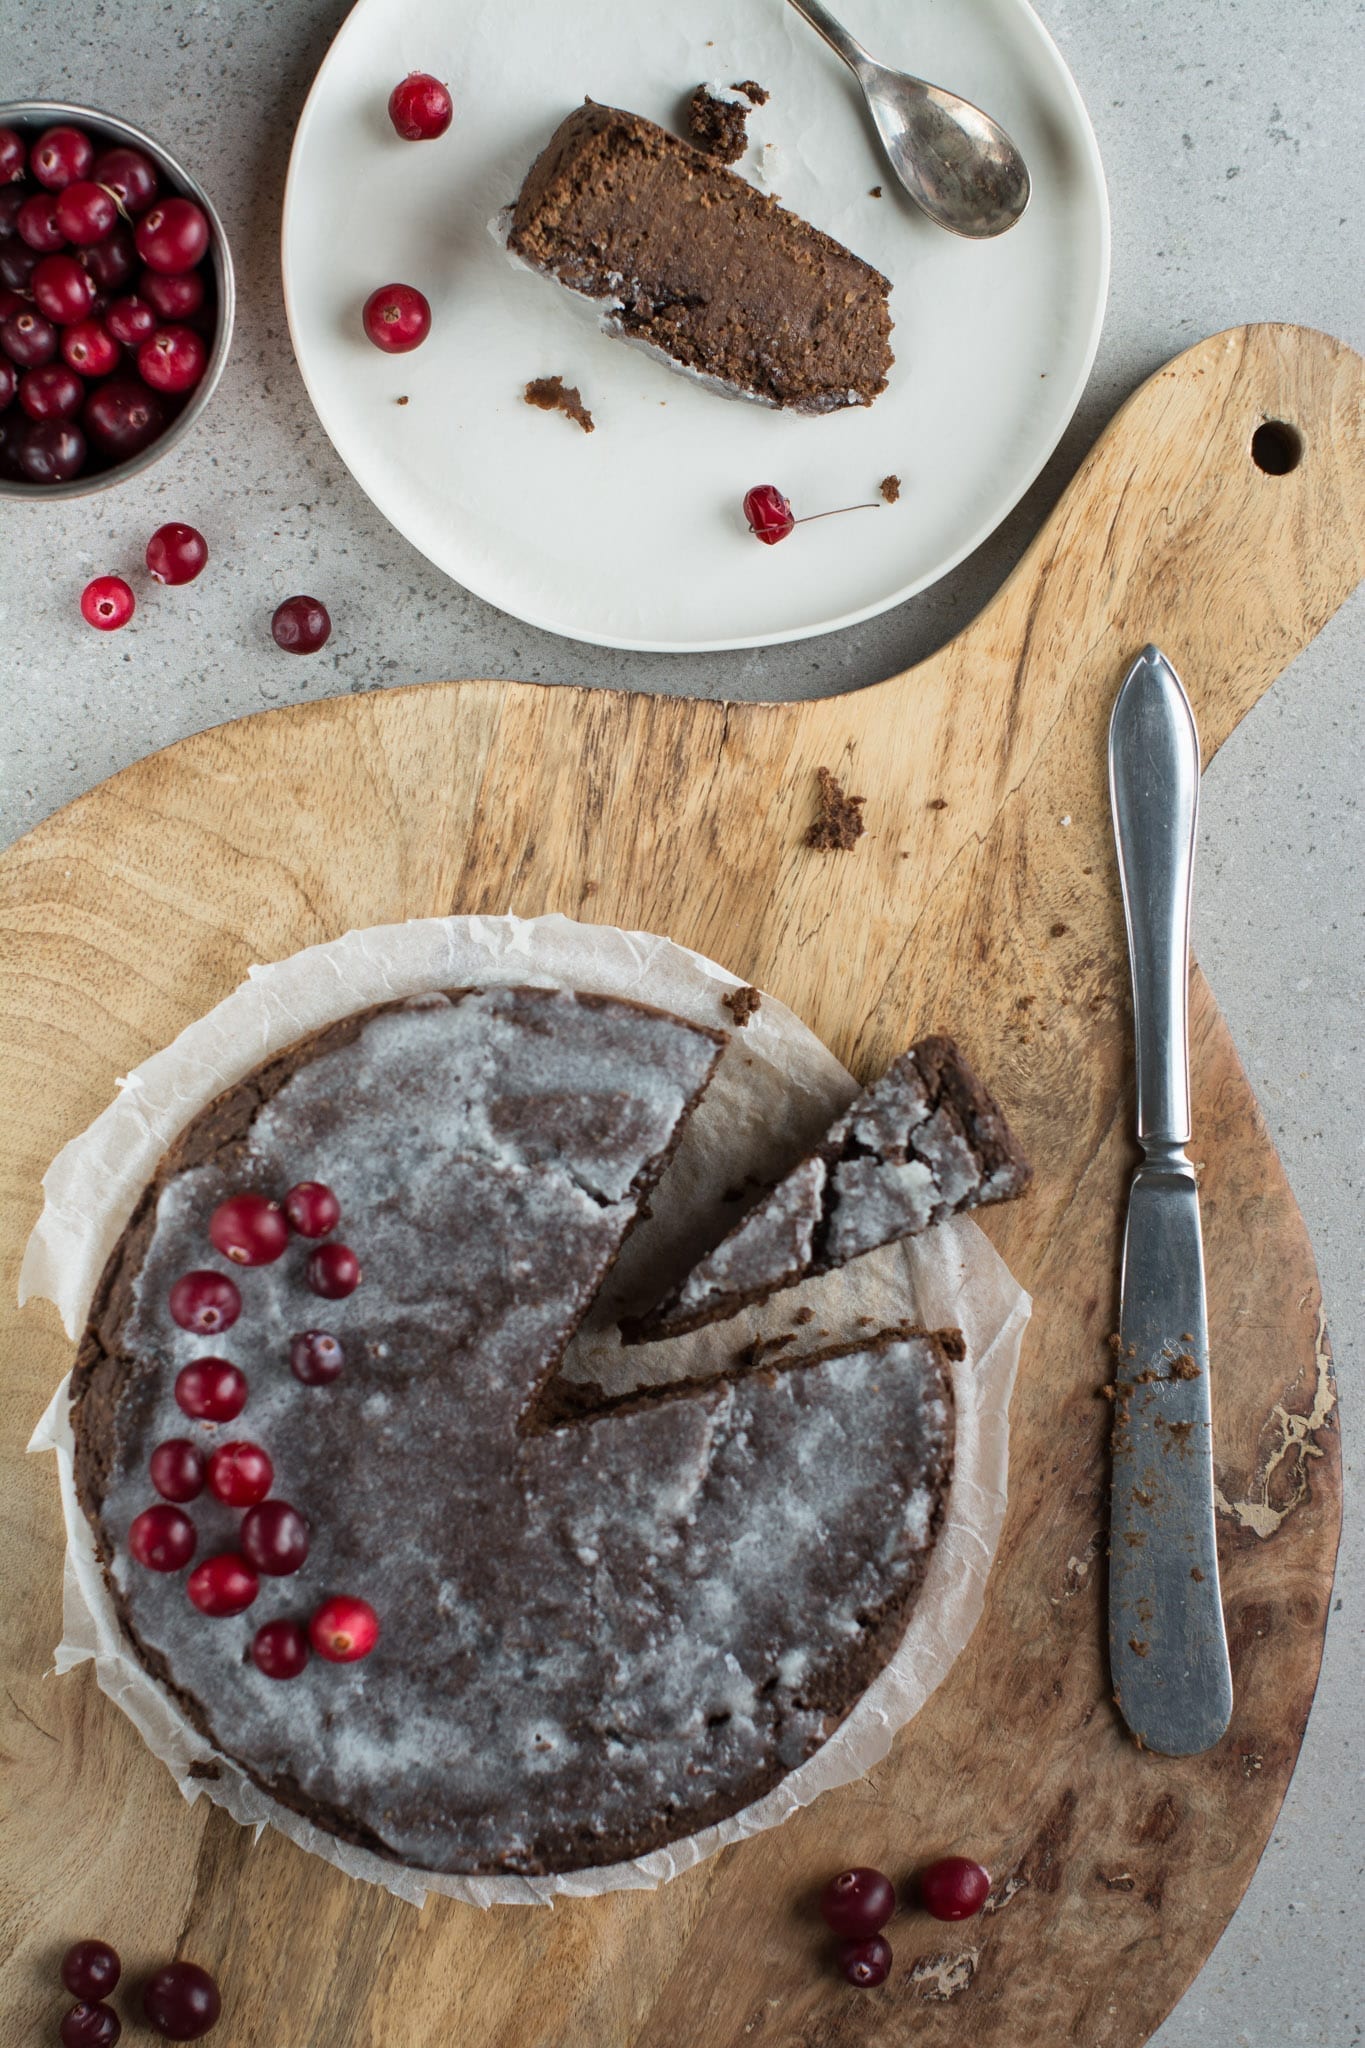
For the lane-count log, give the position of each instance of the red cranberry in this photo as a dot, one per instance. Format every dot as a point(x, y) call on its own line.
point(279, 1649)
point(181, 2002)
point(90, 1969)
point(865, 1963)
point(301, 625)
point(173, 359)
point(107, 604)
point(205, 1303)
point(312, 1209)
point(344, 1629)
point(173, 236)
point(175, 554)
point(52, 393)
point(37, 223)
point(111, 262)
point(90, 348)
point(162, 1538)
point(12, 197)
point(60, 156)
point(130, 320)
point(333, 1271)
point(177, 1469)
point(62, 289)
point(315, 1358)
point(248, 1229)
point(240, 1474)
point(85, 212)
point(123, 417)
point(28, 339)
point(397, 318)
point(13, 156)
point(274, 1537)
point(89, 2026)
point(954, 1888)
point(17, 263)
point(224, 1584)
point(420, 107)
point(129, 175)
point(211, 1390)
point(51, 452)
point(174, 297)
point(769, 514)
point(858, 1902)
point(9, 382)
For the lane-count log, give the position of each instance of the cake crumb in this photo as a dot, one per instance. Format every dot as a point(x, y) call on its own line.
point(717, 117)
point(875, 193)
point(760, 1348)
point(804, 1315)
point(890, 488)
point(552, 394)
point(742, 1003)
point(938, 803)
point(1184, 1368)
point(838, 823)
point(400, 401)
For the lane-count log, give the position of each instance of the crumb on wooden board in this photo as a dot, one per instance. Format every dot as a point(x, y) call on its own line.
point(838, 822)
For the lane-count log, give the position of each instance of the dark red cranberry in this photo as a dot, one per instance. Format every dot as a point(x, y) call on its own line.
point(315, 1358)
point(858, 1902)
point(211, 1390)
point(173, 297)
point(224, 1584)
point(107, 604)
point(60, 156)
point(62, 289)
point(173, 236)
point(12, 197)
point(10, 303)
point(240, 1474)
point(28, 339)
point(312, 1209)
point(90, 348)
point(85, 212)
point(866, 1963)
point(51, 452)
point(89, 2026)
point(769, 514)
point(17, 263)
point(13, 156)
point(177, 1469)
point(13, 428)
point(274, 1537)
point(111, 263)
point(301, 625)
point(162, 1538)
point(131, 320)
point(123, 417)
point(333, 1271)
point(37, 223)
point(129, 175)
point(52, 393)
point(9, 382)
point(249, 1229)
point(175, 554)
point(279, 1649)
point(205, 1303)
point(420, 107)
point(173, 359)
point(344, 1629)
point(397, 318)
point(90, 1969)
point(954, 1888)
point(181, 2002)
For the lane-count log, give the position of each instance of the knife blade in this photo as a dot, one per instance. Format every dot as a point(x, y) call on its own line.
point(1168, 1651)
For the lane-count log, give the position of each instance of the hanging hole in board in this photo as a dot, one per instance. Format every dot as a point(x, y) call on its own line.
point(1276, 447)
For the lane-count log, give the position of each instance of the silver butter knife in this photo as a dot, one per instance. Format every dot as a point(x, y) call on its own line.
point(1168, 1650)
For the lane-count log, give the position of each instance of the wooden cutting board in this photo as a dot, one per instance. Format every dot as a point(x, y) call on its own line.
point(982, 900)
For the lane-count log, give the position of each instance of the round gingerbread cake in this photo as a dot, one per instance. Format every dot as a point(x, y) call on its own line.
point(595, 1625)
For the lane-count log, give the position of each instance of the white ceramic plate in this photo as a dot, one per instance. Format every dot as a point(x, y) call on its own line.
point(633, 536)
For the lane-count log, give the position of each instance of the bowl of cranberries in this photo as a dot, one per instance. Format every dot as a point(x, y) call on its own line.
point(116, 300)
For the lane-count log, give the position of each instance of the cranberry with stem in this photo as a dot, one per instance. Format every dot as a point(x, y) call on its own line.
point(397, 318)
point(954, 1888)
point(344, 1629)
point(63, 289)
point(123, 417)
point(162, 1538)
point(90, 1969)
point(173, 296)
point(420, 107)
point(131, 320)
point(333, 1271)
point(86, 213)
point(248, 1229)
point(312, 1209)
point(211, 1390)
point(52, 452)
point(13, 156)
point(90, 348)
point(173, 359)
point(52, 393)
point(111, 263)
point(858, 1902)
point(866, 1963)
point(176, 553)
point(223, 1585)
point(89, 2025)
point(177, 1470)
point(279, 1649)
point(181, 2002)
point(771, 518)
point(301, 625)
point(240, 1474)
point(316, 1358)
point(36, 223)
point(60, 156)
point(28, 339)
point(173, 236)
point(274, 1537)
point(205, 1303)
point(129, 175)
point(107, 603)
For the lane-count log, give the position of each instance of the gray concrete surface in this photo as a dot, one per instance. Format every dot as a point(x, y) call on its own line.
point(1230, 133)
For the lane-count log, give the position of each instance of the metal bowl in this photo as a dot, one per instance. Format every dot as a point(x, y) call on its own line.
point(31, 117)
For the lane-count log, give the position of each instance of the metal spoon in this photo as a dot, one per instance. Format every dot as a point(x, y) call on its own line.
point(957, 164)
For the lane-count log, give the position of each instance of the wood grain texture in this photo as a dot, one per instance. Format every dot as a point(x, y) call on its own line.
point(982, 901)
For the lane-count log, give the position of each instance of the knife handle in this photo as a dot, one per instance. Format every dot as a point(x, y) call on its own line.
point(1154, 790)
